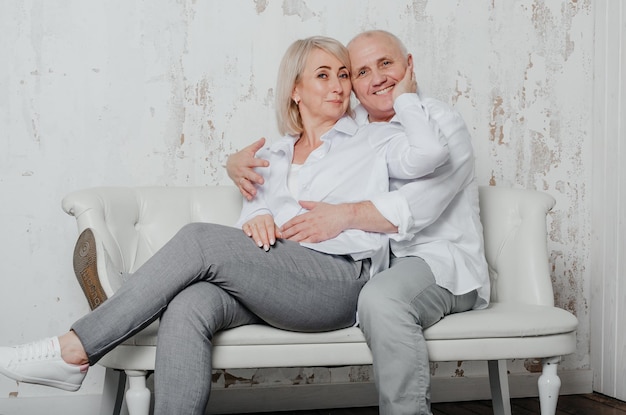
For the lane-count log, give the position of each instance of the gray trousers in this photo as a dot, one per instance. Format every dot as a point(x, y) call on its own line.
point(208, 278)
point(394, 307)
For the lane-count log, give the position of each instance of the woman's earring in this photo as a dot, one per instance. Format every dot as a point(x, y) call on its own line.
point(296, 101)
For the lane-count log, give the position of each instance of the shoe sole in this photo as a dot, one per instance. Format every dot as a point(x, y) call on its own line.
point(70, 387)
point(86, 269)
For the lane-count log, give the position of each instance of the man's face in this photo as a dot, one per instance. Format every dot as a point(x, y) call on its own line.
point(377, 65)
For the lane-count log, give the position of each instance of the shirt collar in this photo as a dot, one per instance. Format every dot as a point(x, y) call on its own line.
point(346, 125)
point(361, 116)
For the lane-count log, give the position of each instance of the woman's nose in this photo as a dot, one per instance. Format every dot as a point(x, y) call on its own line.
point(337, 85)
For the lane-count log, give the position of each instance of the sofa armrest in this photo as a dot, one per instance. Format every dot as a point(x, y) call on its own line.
point(515, 235)
point(131, 223)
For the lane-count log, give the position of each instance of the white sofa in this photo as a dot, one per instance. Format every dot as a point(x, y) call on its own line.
point(521, 322)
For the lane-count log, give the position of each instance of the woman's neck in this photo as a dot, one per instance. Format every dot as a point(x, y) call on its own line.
point(310, 139)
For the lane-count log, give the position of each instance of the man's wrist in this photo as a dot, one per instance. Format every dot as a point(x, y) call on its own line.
point(366, 217)
point(351, 215)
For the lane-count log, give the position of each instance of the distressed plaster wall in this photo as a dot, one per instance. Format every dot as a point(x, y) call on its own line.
point(159, 92)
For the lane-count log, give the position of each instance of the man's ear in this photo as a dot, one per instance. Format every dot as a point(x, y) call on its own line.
point(409, 59)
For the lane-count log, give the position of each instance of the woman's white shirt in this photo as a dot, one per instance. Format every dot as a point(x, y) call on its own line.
point(292, 179)
point(351, 165)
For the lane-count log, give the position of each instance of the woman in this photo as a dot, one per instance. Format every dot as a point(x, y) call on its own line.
point(197, 286)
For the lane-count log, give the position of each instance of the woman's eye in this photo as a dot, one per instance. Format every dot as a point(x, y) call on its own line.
point(322, 75)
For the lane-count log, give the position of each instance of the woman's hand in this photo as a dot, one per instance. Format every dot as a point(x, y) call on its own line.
point(262, 230)
point(408, 84)
point(240, 167)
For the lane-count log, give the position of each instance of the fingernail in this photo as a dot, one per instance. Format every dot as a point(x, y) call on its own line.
point(267, 248)
point(272, 242)
point(259, 243)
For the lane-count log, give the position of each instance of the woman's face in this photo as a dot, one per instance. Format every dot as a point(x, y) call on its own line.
point(323, 91)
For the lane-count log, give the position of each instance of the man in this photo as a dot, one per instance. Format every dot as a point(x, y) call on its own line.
point(438, 265)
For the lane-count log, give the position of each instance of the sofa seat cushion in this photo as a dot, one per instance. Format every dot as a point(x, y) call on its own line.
point(499, 320)
point(502, 331)
point(504, 320)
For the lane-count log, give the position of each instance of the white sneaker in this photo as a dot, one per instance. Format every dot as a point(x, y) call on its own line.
point(41, 363)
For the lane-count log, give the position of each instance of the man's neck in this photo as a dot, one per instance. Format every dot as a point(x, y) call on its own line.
point(381, 118)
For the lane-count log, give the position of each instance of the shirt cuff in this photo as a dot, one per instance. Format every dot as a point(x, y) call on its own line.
point(407, 100)
point(395, 208)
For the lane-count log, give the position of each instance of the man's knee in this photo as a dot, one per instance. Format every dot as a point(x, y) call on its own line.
point(377, 305)
point(371, 297)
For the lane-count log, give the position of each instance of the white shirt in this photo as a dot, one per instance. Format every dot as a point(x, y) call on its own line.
point(438, 215)
point(292, 179)
point(352, 164)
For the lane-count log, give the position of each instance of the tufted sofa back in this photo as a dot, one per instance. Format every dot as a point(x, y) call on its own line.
point(133, 223)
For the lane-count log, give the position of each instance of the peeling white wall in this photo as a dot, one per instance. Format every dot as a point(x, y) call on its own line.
point(159, 92)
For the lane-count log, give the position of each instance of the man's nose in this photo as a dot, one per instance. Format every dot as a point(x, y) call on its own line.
point(378, 77)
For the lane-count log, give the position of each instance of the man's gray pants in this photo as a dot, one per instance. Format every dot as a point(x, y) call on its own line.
point(394, 307)
point(209, 278)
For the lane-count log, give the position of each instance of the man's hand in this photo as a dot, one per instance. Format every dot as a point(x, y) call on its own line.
point(408, 84)
point(240, 167)
point(323, 221)
point(262, 230)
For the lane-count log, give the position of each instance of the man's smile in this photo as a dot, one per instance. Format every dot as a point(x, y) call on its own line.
point(384, 91)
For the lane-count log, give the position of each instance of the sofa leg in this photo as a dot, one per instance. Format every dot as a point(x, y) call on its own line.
point(549, 385)
point(137, 395)
point(113, 393)
point(499, 383)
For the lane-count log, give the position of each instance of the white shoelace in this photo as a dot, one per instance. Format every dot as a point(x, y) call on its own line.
point(36, 350)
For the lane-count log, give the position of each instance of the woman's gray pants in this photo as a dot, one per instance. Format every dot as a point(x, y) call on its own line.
point(394, 307)
point(211, 277)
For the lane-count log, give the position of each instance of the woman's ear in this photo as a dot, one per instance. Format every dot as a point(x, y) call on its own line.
point(295, 97)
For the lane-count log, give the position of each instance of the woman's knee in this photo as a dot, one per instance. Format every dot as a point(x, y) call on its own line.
point(193, 228)
point(183, 306)
point(198, 307)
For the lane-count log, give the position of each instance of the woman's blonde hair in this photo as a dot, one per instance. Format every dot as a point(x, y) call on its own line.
point(289, 72)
